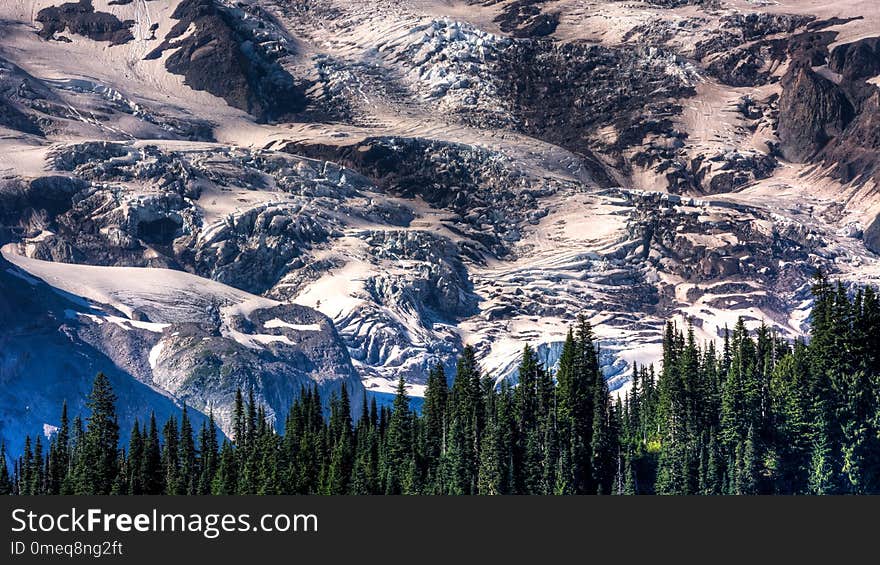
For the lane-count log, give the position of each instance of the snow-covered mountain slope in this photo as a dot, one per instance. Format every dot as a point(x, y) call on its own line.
point(194, 340)
point(48, 357)
point(411, 177)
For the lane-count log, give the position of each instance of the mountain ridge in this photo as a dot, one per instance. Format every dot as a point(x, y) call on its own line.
point(413, 178)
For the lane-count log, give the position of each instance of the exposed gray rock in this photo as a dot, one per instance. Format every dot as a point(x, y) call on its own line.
point(812, 110)
point(82, 19)
point(871, 236)
point(222, 56)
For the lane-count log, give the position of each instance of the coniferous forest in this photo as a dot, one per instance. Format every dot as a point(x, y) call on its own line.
point(751, 414)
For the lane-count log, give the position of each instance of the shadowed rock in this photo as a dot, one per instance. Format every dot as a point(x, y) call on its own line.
point(222, 58)
point(82, 19)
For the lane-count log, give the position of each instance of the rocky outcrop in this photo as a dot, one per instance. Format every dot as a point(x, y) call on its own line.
point(82, 19)
point(564, 93)
point(749, 48)
point(441, 289)
point(855, 153)
point(13, 118)
point(25, 101)
point(871, 236)
point(832, 117)
point(222, 56)
point(275, 352)
point(704, 243)
point(526, 18)
point(857, 61)
point(726, 172)
point(812, 110)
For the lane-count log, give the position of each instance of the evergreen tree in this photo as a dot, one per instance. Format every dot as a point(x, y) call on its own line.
point(5, 479)
point(225, 481)
point(171, 457)
point(59, 455)
point(208, 447)
point(189, 472)
point(434, 412)
point(465, 427)
point(99, 464)
point(135, 461)
point(151, 472)
point(398, 443)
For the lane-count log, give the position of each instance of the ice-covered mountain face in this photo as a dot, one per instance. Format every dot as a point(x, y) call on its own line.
point(270, 193)
point(51, 347)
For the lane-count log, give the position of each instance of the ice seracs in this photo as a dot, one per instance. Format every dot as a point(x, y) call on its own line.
point(372, 186)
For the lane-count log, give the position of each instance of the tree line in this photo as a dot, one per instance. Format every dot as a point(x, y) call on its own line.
point(754, 414)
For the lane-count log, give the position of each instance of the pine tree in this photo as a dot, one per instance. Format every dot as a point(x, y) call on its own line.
point(135, 461)
point(434, 412)
point(209, 448)
point(602, 457)
point(77, 446)
point(465, 427)
point(491, 474)
point(151, 472)
point(26, 469)
point(40, 466)
point(225, 481)
point(5, 479)
point(171, 458)
point(398, 443)
point(59, 455)
point(189, 472)
point(239, 420)
point(99, 464)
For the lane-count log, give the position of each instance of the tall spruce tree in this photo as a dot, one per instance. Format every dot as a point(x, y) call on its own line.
point(99, 464)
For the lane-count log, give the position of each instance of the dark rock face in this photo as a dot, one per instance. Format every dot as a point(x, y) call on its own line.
point(524, 18)
point(728, 171)
point(742, 53)
point(258, 248)
point(22, 98)
point(872, 236)
point(13, 118)
point(29, 205)
point(563, 93)
point(756, 25)
point(82, 19)
point(222, 57)
point(832, 122)
point(856, 151)
point(746, 66)
point(856, 63)
point(812, 110)
point(742, 248)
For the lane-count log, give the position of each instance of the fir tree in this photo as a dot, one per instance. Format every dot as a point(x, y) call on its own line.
point(5, 479)
point(99, 464)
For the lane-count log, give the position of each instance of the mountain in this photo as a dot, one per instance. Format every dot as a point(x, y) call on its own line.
point(202, 195)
